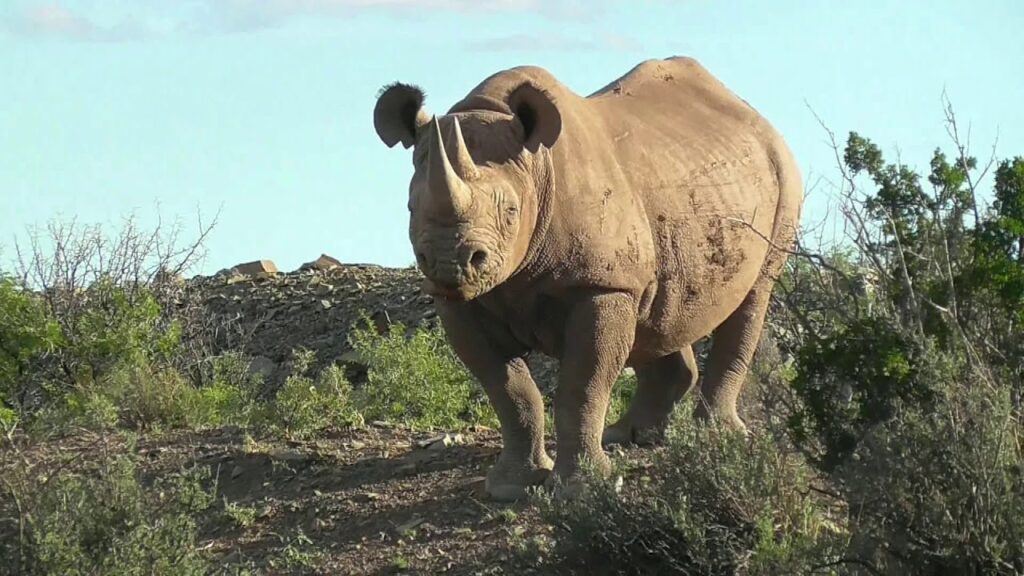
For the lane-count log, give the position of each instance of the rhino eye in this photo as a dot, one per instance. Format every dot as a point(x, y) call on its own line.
point(511, 213)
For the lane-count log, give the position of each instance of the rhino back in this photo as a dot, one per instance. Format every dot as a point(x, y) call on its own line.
point(665, 178)
point(659, 178)
point(701, 161)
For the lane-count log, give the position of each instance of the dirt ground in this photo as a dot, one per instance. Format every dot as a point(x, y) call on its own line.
point(377, 500)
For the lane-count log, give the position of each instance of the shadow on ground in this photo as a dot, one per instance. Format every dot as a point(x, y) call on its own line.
point(370, 501)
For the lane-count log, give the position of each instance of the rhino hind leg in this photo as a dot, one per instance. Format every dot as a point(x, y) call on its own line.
point(660, 384)
point(732, 349)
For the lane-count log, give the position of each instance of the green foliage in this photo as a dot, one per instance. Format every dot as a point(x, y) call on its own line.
point(106, 522)
point(27, 333)
point(55, 361)
point(854, 379)
point(240, 516)
point(910, 406)
point(305, 406)
point(144, 396)
point(719, 504)
point(950, 290)
point(622, 393)
point(125, 324)
point(297, 552)
point(8, 420)
point(899, 196)
point(83, 409)
point(417, 380)
point(1000, 266)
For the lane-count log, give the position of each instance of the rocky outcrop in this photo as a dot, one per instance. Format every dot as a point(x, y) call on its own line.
point(315, 307)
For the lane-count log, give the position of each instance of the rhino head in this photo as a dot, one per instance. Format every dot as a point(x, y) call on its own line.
point(480, 178)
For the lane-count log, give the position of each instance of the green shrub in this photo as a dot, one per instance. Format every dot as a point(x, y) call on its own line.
point(149, 396)
point(417, 380)
point(862, 375)
point(941, 491)
point(143, 396)
point(297, 552)
point(116, 341)
point(118, 324)
point(105, 522)
point(83, 409)
point(239, 515)
point(911, 405)
point(27, 332)
point(719, 503)
point(305, 406)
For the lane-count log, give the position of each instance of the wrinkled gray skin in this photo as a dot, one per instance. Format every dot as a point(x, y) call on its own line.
point(604, 231)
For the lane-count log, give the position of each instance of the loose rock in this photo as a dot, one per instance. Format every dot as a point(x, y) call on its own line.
point(257, 269)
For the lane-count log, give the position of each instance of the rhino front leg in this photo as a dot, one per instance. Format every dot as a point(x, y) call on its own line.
point(516, 400)
point(598, 338)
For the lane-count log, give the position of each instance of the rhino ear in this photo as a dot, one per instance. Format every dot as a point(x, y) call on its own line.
point(536, 110)
point(399, 113)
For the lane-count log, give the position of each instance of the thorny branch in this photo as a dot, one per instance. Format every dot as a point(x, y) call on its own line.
point(76, 268)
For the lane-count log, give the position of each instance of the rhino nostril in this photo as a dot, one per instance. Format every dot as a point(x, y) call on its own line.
point(478, 258)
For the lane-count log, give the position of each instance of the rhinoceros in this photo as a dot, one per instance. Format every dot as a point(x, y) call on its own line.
point(604, 231)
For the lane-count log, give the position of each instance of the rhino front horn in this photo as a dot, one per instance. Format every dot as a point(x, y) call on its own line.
point(447, 189)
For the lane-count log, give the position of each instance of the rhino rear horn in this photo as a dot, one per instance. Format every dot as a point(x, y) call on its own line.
point(462, 160)
point(399, 113)
point(536, 110)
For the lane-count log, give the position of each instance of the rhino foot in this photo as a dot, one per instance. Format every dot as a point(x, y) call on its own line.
point(725, 416)
point(572, 485)
point(507, 482)
point(624, 433)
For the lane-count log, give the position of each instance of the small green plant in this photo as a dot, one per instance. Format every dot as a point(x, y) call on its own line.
point(238, 515)
point(503, 515)
point(297, 551)
point(399, 564)
point(417, 380)
point(305, 406)
point(8, 421)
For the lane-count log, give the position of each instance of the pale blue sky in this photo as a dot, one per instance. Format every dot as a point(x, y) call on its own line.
point(262, 108)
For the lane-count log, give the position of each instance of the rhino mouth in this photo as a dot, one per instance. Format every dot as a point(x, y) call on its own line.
point(460, 278)
point(456, 293)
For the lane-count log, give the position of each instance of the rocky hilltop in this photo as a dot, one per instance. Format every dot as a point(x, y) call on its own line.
point(268, 314)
